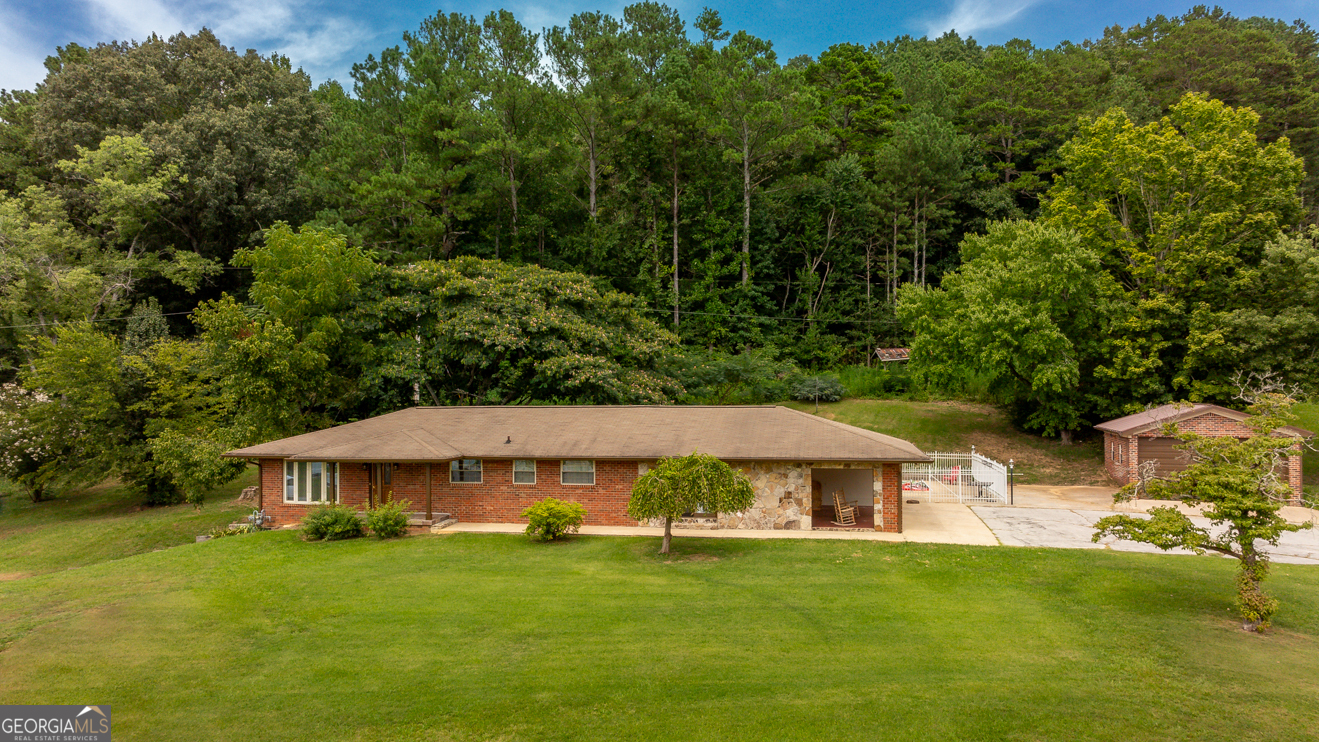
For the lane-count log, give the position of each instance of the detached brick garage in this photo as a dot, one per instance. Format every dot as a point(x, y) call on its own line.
point(487, 464)
point(1132, 440)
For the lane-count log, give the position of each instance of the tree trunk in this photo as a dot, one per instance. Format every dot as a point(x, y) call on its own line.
point(675, 234)
point(592, 166)
point(513, 194)
point(1255, 606)
point(1065, 437)
point(668, 534)
point(746, 211)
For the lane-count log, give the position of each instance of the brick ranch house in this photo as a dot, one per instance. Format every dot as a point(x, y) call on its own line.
point(487, 464)
point(1132, 440)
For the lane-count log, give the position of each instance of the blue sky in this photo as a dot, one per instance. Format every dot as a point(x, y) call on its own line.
point(325, 37)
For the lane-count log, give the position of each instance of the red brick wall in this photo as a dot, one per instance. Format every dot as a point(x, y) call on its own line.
point(1112, 443)
point(1208, 424)
point(497, 500)
point(494, 500)
point(890, 518)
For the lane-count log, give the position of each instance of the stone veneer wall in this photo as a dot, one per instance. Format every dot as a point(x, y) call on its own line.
point(783, 497)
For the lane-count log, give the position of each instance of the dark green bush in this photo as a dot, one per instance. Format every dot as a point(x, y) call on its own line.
point(551, 519)
point(389, 520)
point(331, 523)
point(876, 382)
point(822, 388)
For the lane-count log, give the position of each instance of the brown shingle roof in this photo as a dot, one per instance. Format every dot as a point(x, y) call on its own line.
point(1173, 413)
point(762, 433)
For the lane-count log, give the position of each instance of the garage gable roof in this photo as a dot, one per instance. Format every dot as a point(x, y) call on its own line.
point(1174, 413)
point(756, 433)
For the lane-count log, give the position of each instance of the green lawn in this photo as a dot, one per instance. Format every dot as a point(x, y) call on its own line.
point(956, 426)
point(477, 637)
point(101, 523)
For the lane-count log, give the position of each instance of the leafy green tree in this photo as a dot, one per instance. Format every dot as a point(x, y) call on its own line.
point(141, 416)
point(1029, 308)
point(754, 376)
point(63, 261)
point(587, 60)
point(400, 156)
point(758, 110)
point(472, 331)
point(685, 484)
point(1235, 483)
point(286, 363)
point(236, 126)
point(1176, 209)
point(858, 98)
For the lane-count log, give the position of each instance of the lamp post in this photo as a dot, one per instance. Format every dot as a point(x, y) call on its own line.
point(1012, 481)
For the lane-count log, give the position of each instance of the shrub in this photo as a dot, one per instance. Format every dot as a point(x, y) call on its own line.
point(389, 520)
point(222, 531)
point(821, 388)
point(551, 519)
point(331, 523)
point(875, 382)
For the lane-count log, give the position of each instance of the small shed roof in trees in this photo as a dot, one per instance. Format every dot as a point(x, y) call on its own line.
point(893, 354)
point(1155, 417)
point(743, 433)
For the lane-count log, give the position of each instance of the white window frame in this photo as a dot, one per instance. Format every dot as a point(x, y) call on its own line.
point(524, 471)
point(453, 470)
point(329, 482)
point(562, 471)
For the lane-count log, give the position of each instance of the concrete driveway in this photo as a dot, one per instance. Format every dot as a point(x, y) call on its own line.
point(1065, 527)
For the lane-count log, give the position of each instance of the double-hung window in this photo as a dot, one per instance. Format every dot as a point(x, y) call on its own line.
point(524, 471)
point(465, 470)
point(311, 481)
point(577, 472)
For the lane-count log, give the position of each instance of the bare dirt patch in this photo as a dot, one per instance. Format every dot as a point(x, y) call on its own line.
point(8, 576)
point(693, 558)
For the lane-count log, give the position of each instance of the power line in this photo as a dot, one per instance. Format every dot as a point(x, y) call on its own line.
point(81, 321)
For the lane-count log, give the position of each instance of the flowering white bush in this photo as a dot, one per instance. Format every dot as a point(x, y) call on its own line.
point(23, 449)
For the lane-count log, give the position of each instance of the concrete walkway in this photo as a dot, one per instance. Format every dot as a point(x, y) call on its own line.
point(1057, 517)
point(932, 524)
point(1064, 517)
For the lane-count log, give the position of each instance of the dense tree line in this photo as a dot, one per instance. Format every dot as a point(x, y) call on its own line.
point(1093, 227)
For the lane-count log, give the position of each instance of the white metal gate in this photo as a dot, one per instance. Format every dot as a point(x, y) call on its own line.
point(956, 477)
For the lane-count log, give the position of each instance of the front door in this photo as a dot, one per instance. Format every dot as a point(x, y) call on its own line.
point(382, 484)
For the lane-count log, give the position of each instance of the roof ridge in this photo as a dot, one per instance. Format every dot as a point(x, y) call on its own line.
point(853, 429)
point(424, 444)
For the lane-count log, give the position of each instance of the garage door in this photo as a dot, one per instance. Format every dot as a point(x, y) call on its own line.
point(1163, 452)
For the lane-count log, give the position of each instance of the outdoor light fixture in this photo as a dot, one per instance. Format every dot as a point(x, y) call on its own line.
point(508, 440)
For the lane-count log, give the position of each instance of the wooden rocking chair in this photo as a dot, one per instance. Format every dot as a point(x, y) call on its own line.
point(844, 511)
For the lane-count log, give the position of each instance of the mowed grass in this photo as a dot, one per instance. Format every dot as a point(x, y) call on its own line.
point(102, 523)
point(477, 637)
point(956, 426)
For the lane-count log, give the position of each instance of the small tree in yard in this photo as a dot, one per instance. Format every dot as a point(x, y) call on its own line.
point(686, 484)
point(1236, 481)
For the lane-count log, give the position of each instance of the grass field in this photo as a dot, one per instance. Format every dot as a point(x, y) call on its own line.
point(102, 523)
point(956, 426)
point(476, 637)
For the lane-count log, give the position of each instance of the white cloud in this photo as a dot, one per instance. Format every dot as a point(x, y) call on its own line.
point(134, 19)
point(21, 57)
point(970, 16)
